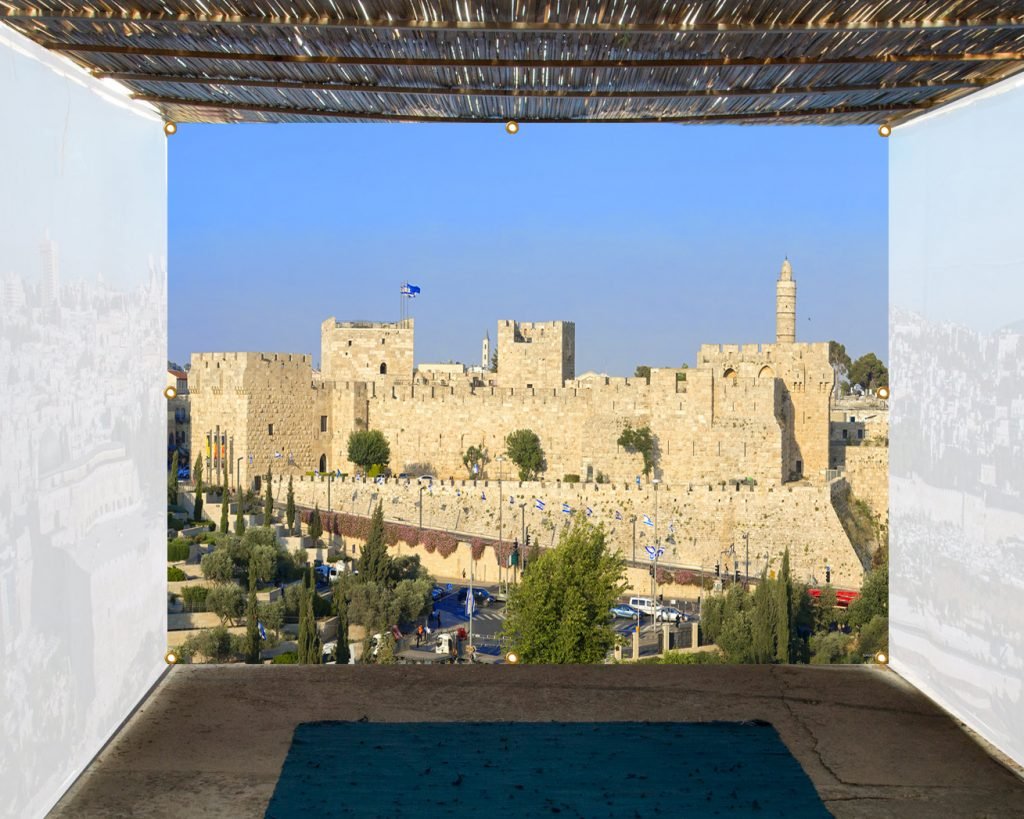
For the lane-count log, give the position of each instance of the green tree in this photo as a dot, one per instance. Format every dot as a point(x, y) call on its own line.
point(474, 456)
point(316, 526)
point(252, 630)
point(172, 481)
point(838, 358)
point(224, 498)
point(368, 448)
point(268, 501)
point(314, 647)
point(271, 615)
point(874, 598)
point(374, 560)
point(289, 510)
point(386, 650)
point(197, 473)
point(639, 440)
point(830, 647)
point(559, 611)
point(262, 563)
point(524, 450)
point(869, 372)
point(642, 371)
point(341, 607)
point(494, 361)
point(784, 612)
point(217, 645)
point(763, 622)
point(218, 565)
point(240, 515)
point(227, 601)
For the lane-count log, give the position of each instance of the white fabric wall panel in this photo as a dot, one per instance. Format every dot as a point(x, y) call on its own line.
point(956, 286)
point(83, 225)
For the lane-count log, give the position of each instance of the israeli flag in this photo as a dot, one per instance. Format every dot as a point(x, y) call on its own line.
point(567, 508)
point(483, 496)
point(277, 454)
point(250, 459)
point(379, 479)
point(410, 290)
point(511, 501)
point(618, 515)
point(672, 527)
point(537, 502)
point(263, 631)
point(589, 511)
point(458, 493)
point(470, 603)
point(648, 521)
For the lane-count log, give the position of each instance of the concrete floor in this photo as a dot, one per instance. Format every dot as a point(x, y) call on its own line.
point(211, 740)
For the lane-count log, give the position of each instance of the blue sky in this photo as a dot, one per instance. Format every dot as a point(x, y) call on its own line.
point(652, 238)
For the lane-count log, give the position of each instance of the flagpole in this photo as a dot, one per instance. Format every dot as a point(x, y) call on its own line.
point(470, 600)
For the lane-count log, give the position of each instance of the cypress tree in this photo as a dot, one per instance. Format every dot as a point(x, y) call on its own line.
point(172, 481)
point(374, 561)
point(303, 639)
point(342, 608)
point(316, 526)
point(240, 514)
point(252, 631)
point(290, 508)
point(268, 501)
point(197, 473)
point(784, 609)
point(224, 498)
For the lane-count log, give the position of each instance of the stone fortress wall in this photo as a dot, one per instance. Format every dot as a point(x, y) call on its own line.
point(536, 354)
point(706, 521)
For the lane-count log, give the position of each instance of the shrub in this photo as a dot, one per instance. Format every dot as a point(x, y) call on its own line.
point(193, 598)
point(175, 574)
point(570, 479)
point(286, 658)
point(601, 477)
point(174, 523)
point(177, 550)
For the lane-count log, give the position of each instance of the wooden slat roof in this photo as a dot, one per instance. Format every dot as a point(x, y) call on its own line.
point(751, 61)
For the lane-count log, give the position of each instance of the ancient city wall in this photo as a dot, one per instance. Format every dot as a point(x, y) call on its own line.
point(698, 525)
point(541, 354)
point(867, 471)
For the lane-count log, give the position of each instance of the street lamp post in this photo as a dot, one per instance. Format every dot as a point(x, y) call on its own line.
point(657, 547)
point(634, 537)
point(238, 482)
point(501, 507)
point(421, 506)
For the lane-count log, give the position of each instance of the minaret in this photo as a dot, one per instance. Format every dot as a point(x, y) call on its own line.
point(785, 306)
point(486, 352)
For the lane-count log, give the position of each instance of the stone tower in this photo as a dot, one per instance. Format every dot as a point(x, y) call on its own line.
point(785, 306)
point(485, 352)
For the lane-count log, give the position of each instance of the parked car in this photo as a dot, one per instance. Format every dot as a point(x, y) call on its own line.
point(404, 476)
point(437, 593)
point(427, 478)
point(670, 614)
point(624, 610)
point(645, 605)
point(481, 596)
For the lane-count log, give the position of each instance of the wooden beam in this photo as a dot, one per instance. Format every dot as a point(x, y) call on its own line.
point(145, 16)
point(557, 93)
point(442, 62)
point(884, 110)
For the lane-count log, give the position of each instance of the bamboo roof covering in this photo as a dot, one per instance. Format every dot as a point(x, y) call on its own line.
point(704, 61)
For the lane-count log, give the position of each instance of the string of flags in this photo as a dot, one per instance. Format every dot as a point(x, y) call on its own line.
point(648, 521)
point(567, 508)
point(537, 502)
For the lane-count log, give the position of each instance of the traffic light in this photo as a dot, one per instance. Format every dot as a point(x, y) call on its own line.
point(718, 570)
point(737, 574)
point(828, 574)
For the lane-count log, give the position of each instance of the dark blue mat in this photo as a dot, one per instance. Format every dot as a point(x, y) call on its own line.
point(615, 769)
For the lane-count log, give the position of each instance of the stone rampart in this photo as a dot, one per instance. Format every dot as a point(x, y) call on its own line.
point(698, 524)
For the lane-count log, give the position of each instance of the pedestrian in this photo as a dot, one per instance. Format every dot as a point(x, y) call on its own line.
point(439, 618)
point(419, 635)
point(463, 574)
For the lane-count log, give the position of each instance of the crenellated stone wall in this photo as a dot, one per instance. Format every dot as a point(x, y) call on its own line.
point(698, 525)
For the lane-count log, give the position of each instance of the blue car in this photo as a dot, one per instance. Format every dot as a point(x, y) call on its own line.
point(624, 610)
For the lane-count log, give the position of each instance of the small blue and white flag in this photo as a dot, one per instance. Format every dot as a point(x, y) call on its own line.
point(250, 459)
point(537, 502)
point(672, 527)
point(458, 493)
point(618, 515)
point(379, 479)
point(277, 454)
point(567, 508)
point(589, 511)
point(483, 496)
point(410, 290)
point(263, 631)
point(316, 473)
point(470, 603)
point(511, 501)
point(648, 521)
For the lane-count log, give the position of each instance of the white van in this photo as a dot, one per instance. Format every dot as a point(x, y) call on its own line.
point(645, 605)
